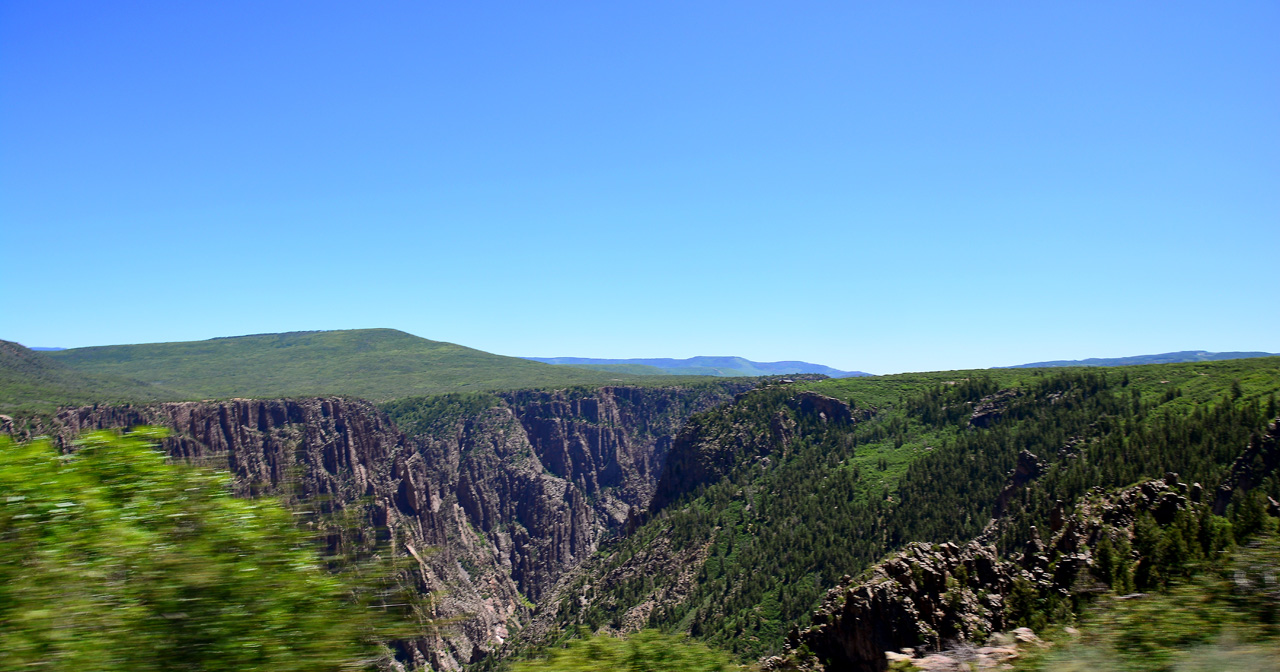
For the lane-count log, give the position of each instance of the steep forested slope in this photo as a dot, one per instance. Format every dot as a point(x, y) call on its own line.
point(768, 502)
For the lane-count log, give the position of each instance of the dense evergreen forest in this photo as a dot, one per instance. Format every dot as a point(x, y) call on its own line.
point(789, 501)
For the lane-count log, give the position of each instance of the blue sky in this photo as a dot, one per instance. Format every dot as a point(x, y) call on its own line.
point(884, 187)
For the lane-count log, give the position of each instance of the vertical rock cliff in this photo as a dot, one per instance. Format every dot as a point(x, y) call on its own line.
point(493, 506)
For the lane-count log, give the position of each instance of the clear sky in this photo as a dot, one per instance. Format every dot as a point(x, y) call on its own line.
point(875, 186)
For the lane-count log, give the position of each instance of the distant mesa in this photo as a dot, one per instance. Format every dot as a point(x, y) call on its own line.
point(1165, 358)
point(697, 366)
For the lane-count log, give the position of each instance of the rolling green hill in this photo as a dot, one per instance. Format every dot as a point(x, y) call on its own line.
point(32, 381)
point(376, 364)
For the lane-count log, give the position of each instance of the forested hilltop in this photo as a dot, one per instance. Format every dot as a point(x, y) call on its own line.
point(768, 503)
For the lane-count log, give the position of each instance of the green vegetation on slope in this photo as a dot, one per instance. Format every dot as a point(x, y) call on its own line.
point(112, 559)
point(783, 519)
point(376, 364)
point(33, 382)
point(433, 414)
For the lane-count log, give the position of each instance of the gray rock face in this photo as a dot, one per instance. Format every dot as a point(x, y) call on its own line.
point(991, 408)
point(828, 409)
point(493, 509)
point(921, 597)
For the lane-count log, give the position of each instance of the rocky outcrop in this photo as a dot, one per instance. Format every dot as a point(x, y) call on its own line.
point(920, 598)
point(991, 408)
point(1028, 468)
point(929, 596)
point(493, 508)
point(827, 409)
point(1162, 498)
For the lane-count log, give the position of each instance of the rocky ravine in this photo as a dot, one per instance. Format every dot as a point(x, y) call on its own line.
point(701, 454)
point(494, 507)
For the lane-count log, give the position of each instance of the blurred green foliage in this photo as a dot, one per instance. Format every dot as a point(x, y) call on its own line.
point(1224, 619)
point(113, 559)
point(646, 651)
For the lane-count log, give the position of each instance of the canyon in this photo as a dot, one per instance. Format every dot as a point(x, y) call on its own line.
point(806, 524)
point(493, 506)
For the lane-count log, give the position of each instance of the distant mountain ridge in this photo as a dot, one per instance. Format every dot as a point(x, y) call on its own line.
point(698, 366)
point(1163, 358)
